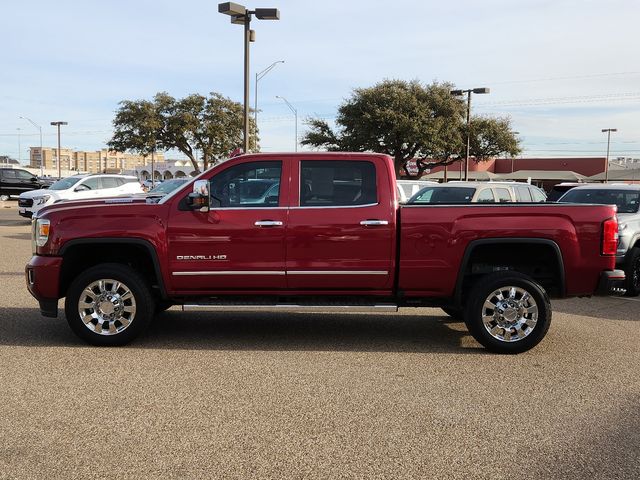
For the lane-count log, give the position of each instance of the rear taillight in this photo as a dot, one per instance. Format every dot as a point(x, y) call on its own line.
point(610, 236)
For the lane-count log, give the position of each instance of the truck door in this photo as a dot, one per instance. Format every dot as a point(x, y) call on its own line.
point(240, 243)
point(341, 228)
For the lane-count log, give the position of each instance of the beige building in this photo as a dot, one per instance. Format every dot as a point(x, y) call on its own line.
point(91, 162)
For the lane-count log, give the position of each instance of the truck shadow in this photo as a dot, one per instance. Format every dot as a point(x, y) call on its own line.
point(609, 308)
point(264, 331)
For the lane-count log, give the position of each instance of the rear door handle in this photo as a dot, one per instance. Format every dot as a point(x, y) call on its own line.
point(373, 223)
point(268, 223)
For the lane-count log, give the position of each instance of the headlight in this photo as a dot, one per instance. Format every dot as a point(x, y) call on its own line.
point(43, 226)
point(41, 200)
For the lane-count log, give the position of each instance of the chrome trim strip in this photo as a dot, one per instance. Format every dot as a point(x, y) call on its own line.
point(336, 206)
point(262, 209)
point(292, 308)
point(228, 272)
point(337, 272)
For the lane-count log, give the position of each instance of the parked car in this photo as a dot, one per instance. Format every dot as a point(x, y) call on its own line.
point(408, 188)
point(14, 181)
point(560, 189)
point(479, 192)
point(148, 185)
point(78, 187)
point(627, 199)
point(333, 239)
point(166, 187)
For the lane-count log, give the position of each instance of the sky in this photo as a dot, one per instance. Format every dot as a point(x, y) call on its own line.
point(562, 70)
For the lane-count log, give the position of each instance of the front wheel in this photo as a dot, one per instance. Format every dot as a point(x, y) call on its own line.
point(109, 305)
point(508, 312)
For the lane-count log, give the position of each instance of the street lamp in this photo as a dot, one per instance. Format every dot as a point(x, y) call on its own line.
point(515, 133)
point(41, 152)
point(59, 124)
point(241, 16)
point(458, 93)
point(295, 112)
point(606, 165)
point(19, 147)
point(259, 76)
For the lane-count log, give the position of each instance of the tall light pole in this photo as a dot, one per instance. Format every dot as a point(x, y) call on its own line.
point(515, 133)
point(19, 147)
point(295, 112)
point(606, 165)
point(259, 76)
point(241, 16)
point(59, 124)
point(458, 93)
point(41, 152)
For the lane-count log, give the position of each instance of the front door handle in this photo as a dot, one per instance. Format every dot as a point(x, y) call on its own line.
point(268, 223)
point(373, 223)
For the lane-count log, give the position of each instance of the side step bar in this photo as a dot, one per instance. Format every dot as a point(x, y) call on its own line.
point(287, 307)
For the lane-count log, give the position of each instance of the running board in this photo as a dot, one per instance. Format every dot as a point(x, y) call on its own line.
point(287, 307)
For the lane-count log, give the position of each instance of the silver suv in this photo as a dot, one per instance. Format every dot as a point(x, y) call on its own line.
point(478, 192)
point(627, 199)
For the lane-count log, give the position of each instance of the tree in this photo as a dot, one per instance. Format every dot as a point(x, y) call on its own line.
point(211, 125)
point(410, 121)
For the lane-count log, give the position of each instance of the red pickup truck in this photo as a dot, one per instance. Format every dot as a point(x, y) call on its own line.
point(316, 231)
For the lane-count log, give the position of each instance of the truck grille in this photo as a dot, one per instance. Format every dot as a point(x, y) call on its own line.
point(25, 202)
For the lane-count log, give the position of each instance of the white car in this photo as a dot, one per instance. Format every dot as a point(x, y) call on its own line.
point(78, 187)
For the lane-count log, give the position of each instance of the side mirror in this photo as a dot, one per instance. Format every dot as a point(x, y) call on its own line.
point(199, 198)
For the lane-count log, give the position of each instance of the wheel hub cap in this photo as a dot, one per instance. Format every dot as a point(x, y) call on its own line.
point(107, 307)
point(509, 314)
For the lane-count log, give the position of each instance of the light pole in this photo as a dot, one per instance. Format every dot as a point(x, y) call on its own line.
point(241, 16)
point(19, 147)
point(295, 113)
point(259, 76)
point(458, 93)
point(515, 133)
point(606, 165)
point(41, 152)
point(59, 124)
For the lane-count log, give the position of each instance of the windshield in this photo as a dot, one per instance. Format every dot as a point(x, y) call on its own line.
point(443, 195)
point(626, 200)
point(65, 183)
point(168, 186)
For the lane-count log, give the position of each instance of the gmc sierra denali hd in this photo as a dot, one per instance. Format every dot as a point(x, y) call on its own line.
point(317, 231)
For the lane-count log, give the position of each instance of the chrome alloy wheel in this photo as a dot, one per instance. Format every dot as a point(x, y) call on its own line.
point(509, 314)
point(107, 307)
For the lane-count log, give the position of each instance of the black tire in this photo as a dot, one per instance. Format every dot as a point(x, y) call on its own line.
point(632, 273)
point(163, 305)
point(139, 300)
point(532, 335)
point(457, 313)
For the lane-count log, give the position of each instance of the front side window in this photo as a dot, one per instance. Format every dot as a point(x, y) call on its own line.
point(23, 175)
point(337, 184)
point(248, 185)
point(486, 196)
point(522, 194)
point(90, 184)
point(538, 195)
point(65, 183)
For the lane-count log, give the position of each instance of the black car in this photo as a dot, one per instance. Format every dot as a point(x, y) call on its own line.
point(14, 181)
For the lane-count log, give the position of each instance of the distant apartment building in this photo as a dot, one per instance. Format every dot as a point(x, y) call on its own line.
point(92, 162)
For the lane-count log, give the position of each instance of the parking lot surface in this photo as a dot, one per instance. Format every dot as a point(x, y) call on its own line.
point(243, 395)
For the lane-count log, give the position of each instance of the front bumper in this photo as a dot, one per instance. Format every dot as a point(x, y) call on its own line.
point(610, 281)
point(43, 281)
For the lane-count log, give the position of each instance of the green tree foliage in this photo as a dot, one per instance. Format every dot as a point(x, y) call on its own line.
point(408, 120)
point(209, 125)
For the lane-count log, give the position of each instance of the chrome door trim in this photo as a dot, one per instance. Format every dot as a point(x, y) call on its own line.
point(337, 272)
point(335, 206)
point(268, 223)
point(228, 272)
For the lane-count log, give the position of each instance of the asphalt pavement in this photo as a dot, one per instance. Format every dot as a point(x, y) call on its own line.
point(244, 395)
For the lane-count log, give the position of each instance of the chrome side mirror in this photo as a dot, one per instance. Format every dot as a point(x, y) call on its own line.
point(199, 198)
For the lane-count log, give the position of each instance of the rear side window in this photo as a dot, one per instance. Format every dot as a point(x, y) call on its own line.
point(485, 196)
point(337, 184)
point(503, 195)
point(522, 194)
point(110, 182)
point(8, 174)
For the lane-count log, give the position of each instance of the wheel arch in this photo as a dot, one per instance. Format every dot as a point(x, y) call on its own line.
point(117, 250)
point(476, 246)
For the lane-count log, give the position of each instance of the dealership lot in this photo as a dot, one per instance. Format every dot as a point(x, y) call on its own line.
point(314, 396)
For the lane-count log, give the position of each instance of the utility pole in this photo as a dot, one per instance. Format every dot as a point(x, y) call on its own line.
point(19, 147)
point(468, 92)
point(59, 124)
point(606, 165)
point(41, 152)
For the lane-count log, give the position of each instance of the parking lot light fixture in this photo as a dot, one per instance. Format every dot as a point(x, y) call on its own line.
point(606, 165)
point(41, 153)
point(458, 93)
point(259, 76)
point(240, 15)
point(59, 124)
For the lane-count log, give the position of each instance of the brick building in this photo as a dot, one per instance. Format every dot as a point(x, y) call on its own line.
point(92, 162)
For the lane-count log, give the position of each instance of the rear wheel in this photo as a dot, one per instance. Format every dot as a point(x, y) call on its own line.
point(109, 305)
point(632, 273)
point(508, 312)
